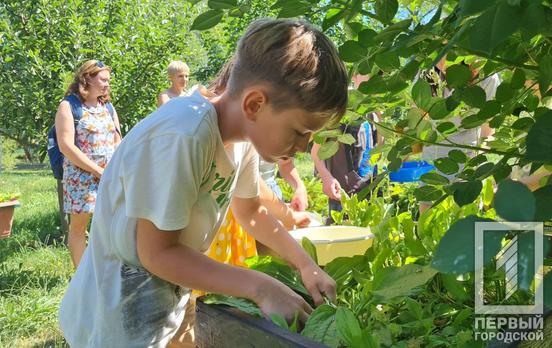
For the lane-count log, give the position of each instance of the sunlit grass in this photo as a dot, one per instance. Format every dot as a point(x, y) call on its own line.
point(34, 264)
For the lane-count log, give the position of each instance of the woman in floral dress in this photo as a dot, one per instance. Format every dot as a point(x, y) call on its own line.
point(87, 145)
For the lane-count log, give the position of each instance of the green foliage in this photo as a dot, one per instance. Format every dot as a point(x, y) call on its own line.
point(44, 42)
point(240, 303)
point(8, 154)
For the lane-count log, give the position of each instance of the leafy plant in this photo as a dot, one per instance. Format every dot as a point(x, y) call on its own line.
point(7, 197)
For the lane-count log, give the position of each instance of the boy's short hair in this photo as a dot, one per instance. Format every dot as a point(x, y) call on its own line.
point(298, 61)
point(177, 66)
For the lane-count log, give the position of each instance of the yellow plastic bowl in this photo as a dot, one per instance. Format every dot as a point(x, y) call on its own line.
point(336, 241)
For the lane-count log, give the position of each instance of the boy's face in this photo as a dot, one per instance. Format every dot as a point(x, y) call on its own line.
point(279, 135)
point(180, 79)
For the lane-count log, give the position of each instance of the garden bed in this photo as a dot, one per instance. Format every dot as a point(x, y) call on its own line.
point(224, 326)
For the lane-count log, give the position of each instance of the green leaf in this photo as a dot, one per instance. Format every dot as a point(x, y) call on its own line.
point(473, 96)
point(396, 83)
point(222, 4)
point(458, 75)
point(366, 38)
point(388, 61)
point(395, 164)
point(477, 160)
point(328, 149)
point(456, 250)
point(483, 170)
point(446, 165)
point(346, 139)
point(504, 92)
point(392, 282)
point(279, 320)
point(352, 51)
point(427, 193)
point(242, 304)
point(433, 178)
point(514, 201)
point(421, 93)
point(321, 326)
point(539, 139)
point(341, 268)
point(472, 121)
point(471, 7)
point(547, 289)
point(348, 328)
point(309, 248)
point(293, 9)
point(446, 127)
point(466, 192)
point(545, 73)
point(458, 156)
point(278, 269)
point(333, 16)
point(533, 19)
point(375, 85)
point(489, 109)
point(518, 79)
point(523, 123)
point(414, 307)
point(409, 71)
point(386, 9)
point(207, 20)
point(455, 287)
point(543, 197)
point(494, 26)
point(439, 109)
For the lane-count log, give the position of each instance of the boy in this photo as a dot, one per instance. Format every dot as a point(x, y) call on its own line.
point(179, 74)
point(169, 185)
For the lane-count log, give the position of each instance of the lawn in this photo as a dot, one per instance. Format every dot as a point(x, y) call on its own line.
point(34, 264)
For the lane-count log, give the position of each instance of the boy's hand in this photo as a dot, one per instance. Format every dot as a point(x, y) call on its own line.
point(301, 219)
point(331, 188)
point(276, 298)
point(318, 283)
point(300, 201)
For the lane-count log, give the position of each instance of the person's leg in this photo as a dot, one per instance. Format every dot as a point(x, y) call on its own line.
point(76, 240)
point(63, 217)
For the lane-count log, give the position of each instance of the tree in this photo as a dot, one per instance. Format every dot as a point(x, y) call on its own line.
point(43, 42)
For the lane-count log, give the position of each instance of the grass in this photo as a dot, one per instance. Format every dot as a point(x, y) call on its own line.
point(35, 266)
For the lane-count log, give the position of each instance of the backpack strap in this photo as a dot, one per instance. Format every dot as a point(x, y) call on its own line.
point(76, 107)
point(111, 111)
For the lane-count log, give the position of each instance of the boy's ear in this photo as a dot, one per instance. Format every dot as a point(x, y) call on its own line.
point(254, 101)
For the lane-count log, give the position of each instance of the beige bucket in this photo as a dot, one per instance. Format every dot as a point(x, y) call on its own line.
point(336, 241)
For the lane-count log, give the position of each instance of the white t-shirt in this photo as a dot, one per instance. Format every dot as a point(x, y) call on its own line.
point(463, 136)
point(173, 170)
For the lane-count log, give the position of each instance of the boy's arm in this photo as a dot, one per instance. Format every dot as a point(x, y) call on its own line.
point(255, 218)
point(162, 255)
point(280, 210)
point(299, 201)
point(330, 185)
point(162, 98)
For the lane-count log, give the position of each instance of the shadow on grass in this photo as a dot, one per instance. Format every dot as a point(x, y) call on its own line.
point(35, 232)
point(51, 344)
point(13, 282)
